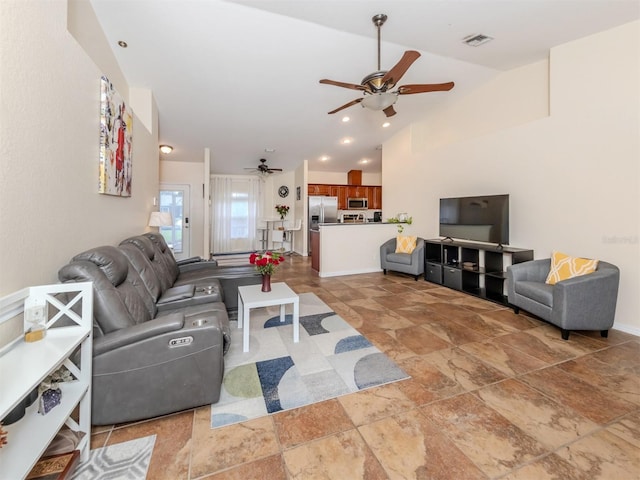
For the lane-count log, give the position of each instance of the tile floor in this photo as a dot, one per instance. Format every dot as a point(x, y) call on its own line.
point(493, 395)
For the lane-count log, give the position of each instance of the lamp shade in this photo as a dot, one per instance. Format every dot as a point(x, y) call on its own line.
point(379, 101)
point(160, 219)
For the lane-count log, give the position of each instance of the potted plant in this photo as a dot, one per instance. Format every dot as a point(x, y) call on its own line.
point(282, 210)
point(266, 264)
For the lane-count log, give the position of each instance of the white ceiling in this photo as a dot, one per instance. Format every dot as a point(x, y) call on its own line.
point(241, 76)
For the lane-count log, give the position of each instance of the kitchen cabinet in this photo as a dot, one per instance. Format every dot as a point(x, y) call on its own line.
point(319, 189)
point(354, 177)
point(375, 198)
point(358, 191)
point(23, 366)
point(373, 193)
point(314, 236)
point(340, 191)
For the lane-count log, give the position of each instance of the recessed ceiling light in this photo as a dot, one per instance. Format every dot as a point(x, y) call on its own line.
point(122, 44)
point(345, 119)
point(364, 160)
point(386, 124)
point(346, 141)
point(269, 150)
point(324, 158)
point(166, 148)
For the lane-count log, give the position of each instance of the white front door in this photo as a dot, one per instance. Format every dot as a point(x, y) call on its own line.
point(176, 199)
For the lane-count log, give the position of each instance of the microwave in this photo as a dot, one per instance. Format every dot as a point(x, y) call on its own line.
point(357, 204)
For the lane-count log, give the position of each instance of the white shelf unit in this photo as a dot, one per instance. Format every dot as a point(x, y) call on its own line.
point(23, 366)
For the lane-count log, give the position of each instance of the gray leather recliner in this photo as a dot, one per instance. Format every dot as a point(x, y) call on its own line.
point(586, 302)
point(147, 363)
point(199, 274)
point(413, 263)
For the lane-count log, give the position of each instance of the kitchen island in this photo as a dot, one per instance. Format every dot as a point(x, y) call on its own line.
point(351, 248)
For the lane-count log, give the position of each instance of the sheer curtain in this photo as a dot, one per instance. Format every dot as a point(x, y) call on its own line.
point(235, 208)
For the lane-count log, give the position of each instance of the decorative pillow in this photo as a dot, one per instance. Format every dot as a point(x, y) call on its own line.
point(564, 267)
point(405, 244)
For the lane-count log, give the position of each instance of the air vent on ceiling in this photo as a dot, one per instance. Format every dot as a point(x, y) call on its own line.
point(476, 40)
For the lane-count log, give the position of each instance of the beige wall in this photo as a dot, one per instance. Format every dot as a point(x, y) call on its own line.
point(49, 125)
point(573, 176)
point(340, 178)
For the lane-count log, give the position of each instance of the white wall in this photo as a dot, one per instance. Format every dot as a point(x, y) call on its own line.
point(340, 178)
point(573, 176)
point(49, 206)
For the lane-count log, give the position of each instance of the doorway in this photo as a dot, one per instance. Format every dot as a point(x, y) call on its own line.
point(176, 200)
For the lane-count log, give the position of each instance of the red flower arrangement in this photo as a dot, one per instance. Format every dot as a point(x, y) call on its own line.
point(282, 210)
point(267, 262)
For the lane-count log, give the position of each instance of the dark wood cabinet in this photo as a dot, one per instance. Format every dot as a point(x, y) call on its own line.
point(340, 191)
point(314, 245)
point(375, 198)
point(319, 189)
point(358, 191)
point(474, 268)
point(373, 193)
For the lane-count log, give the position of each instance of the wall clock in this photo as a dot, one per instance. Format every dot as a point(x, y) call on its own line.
point(283, 191)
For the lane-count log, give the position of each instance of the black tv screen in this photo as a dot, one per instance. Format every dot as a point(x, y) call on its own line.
point(482, 219)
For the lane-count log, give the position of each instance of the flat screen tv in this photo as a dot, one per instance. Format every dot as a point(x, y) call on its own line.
point(482, 219)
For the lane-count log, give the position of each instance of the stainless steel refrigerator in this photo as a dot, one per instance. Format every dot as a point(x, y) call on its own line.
point(322, 210)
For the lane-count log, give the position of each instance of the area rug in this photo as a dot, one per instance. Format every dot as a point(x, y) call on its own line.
point(121, 461)
point(331, 359)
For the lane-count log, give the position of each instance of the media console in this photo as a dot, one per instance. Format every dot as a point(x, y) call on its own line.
point(475, 268)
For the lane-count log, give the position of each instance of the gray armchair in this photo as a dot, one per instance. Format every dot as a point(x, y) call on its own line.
point(587, 302)
point(413, 263)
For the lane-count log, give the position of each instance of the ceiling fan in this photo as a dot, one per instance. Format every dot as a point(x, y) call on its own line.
point(376, 87)
point(263, 169)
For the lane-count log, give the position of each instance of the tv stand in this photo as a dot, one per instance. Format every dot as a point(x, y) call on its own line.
point(475, 268)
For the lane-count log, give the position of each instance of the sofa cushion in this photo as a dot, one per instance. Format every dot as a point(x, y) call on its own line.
point(406, 244)
point(402, 258)
point(537, 291)
point(564, 267)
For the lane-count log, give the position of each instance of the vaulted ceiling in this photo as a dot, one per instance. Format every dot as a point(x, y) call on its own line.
point(240, 77)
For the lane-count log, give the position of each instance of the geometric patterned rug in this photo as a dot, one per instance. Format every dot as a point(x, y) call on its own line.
point(331, 359)
point(122, 461)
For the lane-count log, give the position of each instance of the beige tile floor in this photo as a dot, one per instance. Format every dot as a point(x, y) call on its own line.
point(492, 395)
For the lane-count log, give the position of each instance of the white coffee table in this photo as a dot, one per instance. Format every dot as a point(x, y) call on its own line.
point(252, 296)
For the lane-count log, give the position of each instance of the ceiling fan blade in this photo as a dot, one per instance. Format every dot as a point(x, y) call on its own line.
point(389, 111)
point(399, 69)
point(424, 88)
point(352, 86)
point(274, 170)
point(346, 105)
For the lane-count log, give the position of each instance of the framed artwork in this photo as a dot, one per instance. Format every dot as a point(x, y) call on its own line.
point(116, 132)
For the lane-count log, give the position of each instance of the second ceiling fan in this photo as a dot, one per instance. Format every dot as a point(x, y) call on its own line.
point(376, 87)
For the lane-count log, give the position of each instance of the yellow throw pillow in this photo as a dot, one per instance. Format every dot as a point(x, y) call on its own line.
point(405, 244)
point(564, 267)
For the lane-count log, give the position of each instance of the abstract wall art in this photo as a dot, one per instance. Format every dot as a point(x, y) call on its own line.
point(116, 133)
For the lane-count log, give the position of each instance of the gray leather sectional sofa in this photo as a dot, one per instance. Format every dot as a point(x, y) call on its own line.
point(160, 329)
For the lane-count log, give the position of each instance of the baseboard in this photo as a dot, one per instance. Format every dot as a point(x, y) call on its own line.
point(350, 272)
point(626, 328)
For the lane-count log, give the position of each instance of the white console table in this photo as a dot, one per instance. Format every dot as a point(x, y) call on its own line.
point(23, 366)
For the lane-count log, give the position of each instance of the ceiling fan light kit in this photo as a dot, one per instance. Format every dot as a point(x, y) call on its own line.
point(379, 101)
point(376, 87)
point(263, 169)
